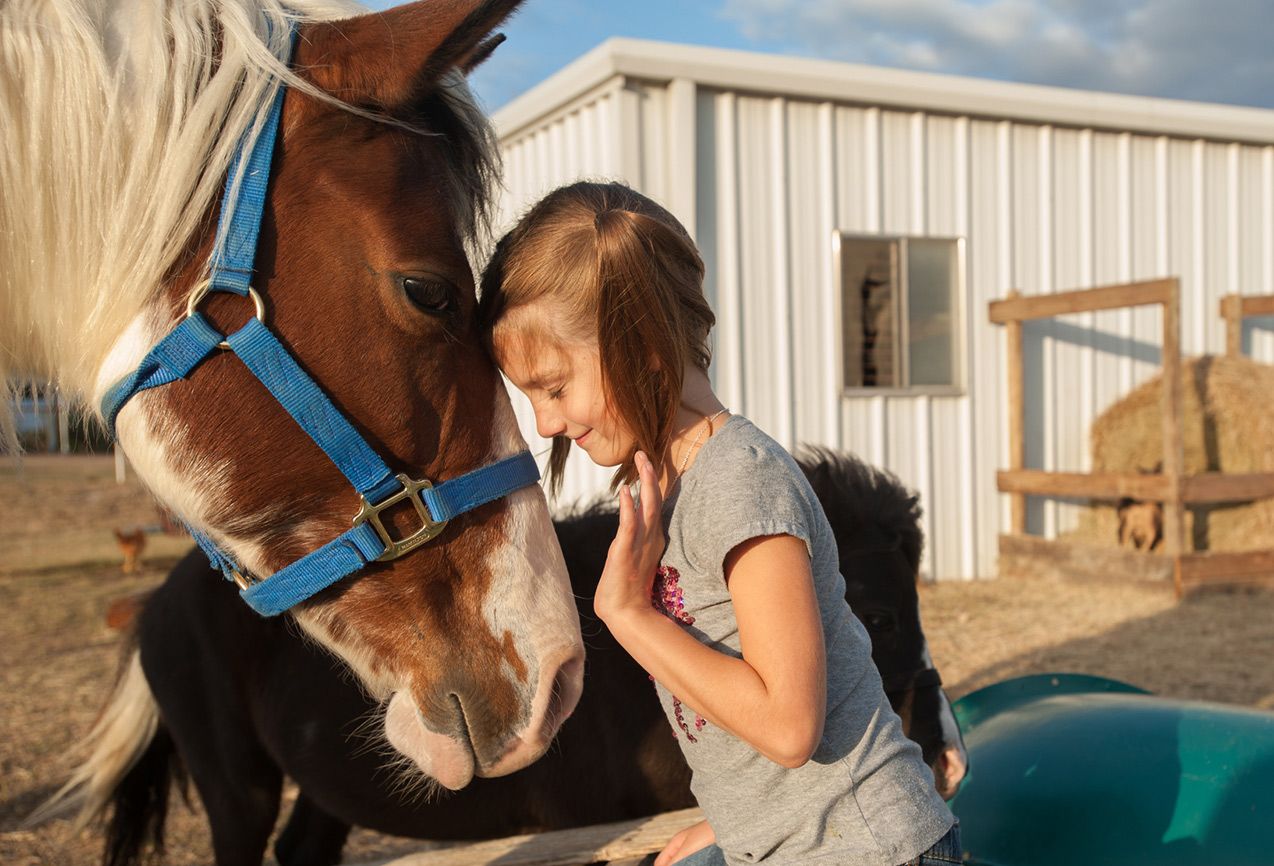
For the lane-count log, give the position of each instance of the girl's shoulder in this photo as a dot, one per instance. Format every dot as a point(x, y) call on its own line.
point(742, 485)
point(739, 443)
point(742, 457)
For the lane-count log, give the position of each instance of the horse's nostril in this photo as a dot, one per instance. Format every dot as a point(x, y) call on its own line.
point(463, 729)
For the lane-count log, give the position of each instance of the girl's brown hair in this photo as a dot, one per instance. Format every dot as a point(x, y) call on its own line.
point(620, 269)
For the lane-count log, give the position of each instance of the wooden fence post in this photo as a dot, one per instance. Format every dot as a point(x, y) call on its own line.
point(1017, 417)
point(1173, 447)
point(1231, 311)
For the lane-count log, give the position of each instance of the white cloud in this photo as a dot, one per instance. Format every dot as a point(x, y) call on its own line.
point(1214, 50)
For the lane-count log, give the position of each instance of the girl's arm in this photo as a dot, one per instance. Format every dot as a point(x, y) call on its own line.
point(775, 697)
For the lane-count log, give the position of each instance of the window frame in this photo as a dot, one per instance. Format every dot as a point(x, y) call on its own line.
point(900, 303)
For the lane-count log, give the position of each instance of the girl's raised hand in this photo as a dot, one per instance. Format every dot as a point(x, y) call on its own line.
point(635, 553)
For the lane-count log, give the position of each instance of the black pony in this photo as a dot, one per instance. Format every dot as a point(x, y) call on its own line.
point(246, 700)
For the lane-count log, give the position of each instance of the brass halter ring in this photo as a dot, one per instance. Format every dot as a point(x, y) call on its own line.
point(201, 291)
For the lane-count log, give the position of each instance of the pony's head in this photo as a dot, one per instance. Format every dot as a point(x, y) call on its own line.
point(379, 185)
point(876, 521)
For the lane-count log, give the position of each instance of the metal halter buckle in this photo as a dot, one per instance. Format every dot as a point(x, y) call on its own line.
point(241, 580)
point(429, 529)
point(201, 291)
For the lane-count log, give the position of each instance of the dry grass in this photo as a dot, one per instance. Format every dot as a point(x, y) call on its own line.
point(59, 569)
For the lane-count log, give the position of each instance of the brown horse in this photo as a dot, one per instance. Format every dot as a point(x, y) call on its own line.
point(246, 700)
point(128, 116)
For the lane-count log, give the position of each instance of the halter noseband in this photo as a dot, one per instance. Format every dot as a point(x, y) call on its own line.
point(190, 342)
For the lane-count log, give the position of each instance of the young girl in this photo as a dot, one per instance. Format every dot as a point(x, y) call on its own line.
point(722, 581)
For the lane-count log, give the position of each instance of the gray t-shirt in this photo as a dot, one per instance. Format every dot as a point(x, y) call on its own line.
point(866, 797)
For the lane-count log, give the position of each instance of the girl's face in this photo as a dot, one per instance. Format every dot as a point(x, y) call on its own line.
point(564, 385)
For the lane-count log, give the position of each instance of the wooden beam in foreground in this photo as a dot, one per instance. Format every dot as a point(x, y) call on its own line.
point(623, 840)
point(1030, 556)
point(1082, 301)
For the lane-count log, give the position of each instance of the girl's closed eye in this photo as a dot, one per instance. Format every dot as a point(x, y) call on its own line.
point(556, 393)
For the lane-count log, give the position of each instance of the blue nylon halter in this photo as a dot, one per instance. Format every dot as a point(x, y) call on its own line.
point(190, 342)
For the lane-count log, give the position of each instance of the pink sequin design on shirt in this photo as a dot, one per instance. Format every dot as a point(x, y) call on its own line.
point(667, 596)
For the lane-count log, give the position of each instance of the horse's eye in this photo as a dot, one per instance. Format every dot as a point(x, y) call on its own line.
point(433, 295)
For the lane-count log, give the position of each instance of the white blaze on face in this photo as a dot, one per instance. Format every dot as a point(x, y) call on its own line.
point(530, 597)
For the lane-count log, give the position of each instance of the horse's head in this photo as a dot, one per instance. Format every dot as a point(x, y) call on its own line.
point(876, 521)
point(362, 262)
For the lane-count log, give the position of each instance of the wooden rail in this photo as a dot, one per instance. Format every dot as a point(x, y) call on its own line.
point(1211, 487)
point(623, 843)
point(1083, 485)
point(1035, 557)
point(1200, 489)
point(1234, 309)
point(1210, 567)
point(1018, 307)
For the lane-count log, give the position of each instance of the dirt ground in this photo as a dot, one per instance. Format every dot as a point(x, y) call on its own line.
point(60, 569)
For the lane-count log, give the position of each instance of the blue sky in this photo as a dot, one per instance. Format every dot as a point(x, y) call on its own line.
point(1210, 50)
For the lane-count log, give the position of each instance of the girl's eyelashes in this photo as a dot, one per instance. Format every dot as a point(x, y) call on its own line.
point(556, 393)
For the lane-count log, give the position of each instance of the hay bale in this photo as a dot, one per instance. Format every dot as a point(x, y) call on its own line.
point(1227, 425)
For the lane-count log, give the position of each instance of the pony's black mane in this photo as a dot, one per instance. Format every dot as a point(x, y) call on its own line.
point(868, 508)
point(873, 508)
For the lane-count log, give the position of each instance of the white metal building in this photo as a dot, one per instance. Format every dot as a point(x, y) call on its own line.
point(794, 175)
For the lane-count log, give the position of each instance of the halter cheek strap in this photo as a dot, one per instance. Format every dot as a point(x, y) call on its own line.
point(190, 342)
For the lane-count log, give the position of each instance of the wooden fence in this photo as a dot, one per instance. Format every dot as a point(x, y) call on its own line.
point(1020, 552)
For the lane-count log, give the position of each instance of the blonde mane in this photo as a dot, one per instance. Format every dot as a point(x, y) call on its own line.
point(117, 125)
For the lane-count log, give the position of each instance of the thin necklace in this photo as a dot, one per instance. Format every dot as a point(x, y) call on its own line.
point(707, 425)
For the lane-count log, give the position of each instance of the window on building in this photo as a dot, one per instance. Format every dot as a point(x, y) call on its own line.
point(900, 306)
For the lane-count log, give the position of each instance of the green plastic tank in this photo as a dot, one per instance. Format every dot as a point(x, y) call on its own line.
point(1067, 769)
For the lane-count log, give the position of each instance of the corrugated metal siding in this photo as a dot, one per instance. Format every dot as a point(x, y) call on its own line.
point(1043, 209)
point(578, 143)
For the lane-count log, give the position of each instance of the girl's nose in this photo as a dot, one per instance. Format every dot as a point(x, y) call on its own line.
point(548, 424)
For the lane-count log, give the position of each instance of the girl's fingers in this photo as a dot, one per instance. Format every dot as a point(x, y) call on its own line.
point(651, 499)
point(626, 536)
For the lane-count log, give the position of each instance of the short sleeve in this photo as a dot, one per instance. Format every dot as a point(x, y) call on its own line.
point(757, 493)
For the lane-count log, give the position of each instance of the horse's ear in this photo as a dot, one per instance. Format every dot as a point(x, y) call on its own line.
point(480, 54)
point(393, 58)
